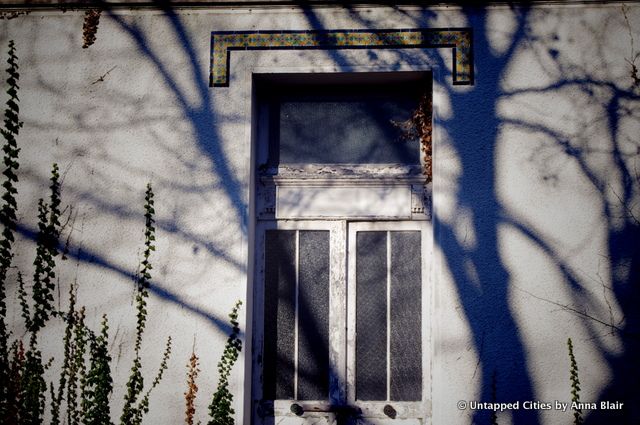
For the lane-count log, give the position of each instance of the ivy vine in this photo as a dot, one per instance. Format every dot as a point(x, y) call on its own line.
point(136, 406)
point(12, 125)
point(575, 385)
point(220, 409)
point(99, 383)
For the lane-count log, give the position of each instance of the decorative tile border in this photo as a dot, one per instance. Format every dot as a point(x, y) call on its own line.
point(460, 39)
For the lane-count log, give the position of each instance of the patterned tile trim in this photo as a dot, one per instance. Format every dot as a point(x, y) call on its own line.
point(460, 39)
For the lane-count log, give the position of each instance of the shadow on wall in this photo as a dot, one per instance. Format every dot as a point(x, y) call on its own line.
point(474, 133)
point(200, 116)
point(496, 335)
point(606, 156)
point(474, 136)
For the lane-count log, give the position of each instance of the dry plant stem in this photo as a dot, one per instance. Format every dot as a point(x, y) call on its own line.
point(423, 124)
point(192, 388)
point(633, 55)
point(90, 27)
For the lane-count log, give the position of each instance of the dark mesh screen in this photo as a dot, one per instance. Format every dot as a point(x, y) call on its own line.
point(345, 131)
point(405, 320)
point(279, 312)
point(313, 316)
point(371, 315)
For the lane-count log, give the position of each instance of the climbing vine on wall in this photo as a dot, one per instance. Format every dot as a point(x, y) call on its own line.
point(9, 132)
point(82, 394)
point(575, 385)
point(99, 384)
point(220, 409)
point(32, 395)
point(137, 405)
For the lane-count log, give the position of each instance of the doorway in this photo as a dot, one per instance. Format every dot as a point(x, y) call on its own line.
point(343, 253)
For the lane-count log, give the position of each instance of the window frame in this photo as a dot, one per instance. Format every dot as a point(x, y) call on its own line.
point(271, 89)
point(266, 183)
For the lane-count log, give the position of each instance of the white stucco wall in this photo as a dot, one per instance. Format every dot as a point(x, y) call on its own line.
point(527, 187)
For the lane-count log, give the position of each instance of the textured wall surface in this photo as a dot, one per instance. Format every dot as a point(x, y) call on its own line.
point(536, 190)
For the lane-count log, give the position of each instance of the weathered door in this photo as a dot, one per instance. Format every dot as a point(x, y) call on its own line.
point(342, 249)
point(387, 322)
point(342, 337)
point(299, 354)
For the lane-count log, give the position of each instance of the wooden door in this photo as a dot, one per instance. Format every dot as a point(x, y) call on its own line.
point(340, 323)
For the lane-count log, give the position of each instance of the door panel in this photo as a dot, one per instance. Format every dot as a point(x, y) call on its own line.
point(386, 337)
point(299, 312)
point(388, 316)
point(296, 327)
point(405, 317)
point(339, 331)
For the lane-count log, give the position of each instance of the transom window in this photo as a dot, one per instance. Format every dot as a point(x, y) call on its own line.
point(331, 119)
point(343, 125)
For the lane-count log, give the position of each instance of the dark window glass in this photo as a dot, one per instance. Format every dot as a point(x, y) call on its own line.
point(346, 131)
point(343, 123)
